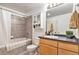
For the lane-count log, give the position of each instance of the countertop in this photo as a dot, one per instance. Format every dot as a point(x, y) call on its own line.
point(60, 38)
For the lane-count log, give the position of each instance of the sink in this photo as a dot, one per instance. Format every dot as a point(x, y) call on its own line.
point(51, 36)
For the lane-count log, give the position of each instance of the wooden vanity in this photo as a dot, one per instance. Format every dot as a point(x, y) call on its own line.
point(57, 47)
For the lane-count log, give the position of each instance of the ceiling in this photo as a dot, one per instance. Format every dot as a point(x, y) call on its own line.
point(23, 7)
point(60, 10)
point(28, 7)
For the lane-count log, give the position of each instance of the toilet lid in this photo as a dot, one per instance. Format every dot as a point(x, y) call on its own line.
point(31, 46)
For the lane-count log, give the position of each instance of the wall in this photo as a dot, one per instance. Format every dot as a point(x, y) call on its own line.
point(42, 11)
point(18, 27)
point(21, 27)
point(29, 27)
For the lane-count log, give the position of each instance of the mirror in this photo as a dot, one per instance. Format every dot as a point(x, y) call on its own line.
point(58, 18)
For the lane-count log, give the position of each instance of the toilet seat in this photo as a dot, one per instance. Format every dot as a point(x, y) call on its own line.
point(32, 46)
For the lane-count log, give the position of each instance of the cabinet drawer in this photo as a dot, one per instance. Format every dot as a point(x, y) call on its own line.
point(49, 42)
point(65, 52)
point(47, 50)
point(68, 46)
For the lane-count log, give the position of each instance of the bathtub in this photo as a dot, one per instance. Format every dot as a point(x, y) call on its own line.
point(17, 42)
point(2, 45)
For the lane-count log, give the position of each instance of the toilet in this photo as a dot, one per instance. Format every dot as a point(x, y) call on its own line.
point(32, 49)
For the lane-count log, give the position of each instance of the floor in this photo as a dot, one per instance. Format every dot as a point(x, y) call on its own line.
point(18, 51)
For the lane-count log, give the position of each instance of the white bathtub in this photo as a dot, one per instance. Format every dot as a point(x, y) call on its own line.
point(18, 42)
point(2, 45)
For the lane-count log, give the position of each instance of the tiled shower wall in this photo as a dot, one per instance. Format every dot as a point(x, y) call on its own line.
point(21, 27)
point(18, 27)
point(29, 27)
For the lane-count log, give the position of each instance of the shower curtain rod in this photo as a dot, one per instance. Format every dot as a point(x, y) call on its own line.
point(13, 11)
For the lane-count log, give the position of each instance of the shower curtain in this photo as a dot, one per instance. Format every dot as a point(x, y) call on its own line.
point(2, 36)
point(5, 27)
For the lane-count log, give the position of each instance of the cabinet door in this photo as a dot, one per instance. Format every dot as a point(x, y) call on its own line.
point(68, 46)
point(47, 50)
point(65, 52)
point(48, 42)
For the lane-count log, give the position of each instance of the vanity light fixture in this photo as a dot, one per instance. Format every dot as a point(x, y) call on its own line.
point(51, 5)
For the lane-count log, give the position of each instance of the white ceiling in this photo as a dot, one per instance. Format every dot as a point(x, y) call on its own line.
point(23, 7)
point(60, 10)
point(28, 7)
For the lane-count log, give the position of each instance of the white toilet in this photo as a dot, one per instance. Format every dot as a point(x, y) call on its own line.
point(32, 49)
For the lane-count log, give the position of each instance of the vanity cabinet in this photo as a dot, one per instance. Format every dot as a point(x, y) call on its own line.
point(66, 52)
point(48, 42)
point(65, 48)
point(47, 47)
point(47, 50)
point(68, 46)
point(54, 47)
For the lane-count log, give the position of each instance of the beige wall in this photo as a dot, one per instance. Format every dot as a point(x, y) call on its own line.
point(18, 27)
point(29, 27)
point(21, 27)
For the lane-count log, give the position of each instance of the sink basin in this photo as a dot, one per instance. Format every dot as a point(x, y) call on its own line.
point(49, 36)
